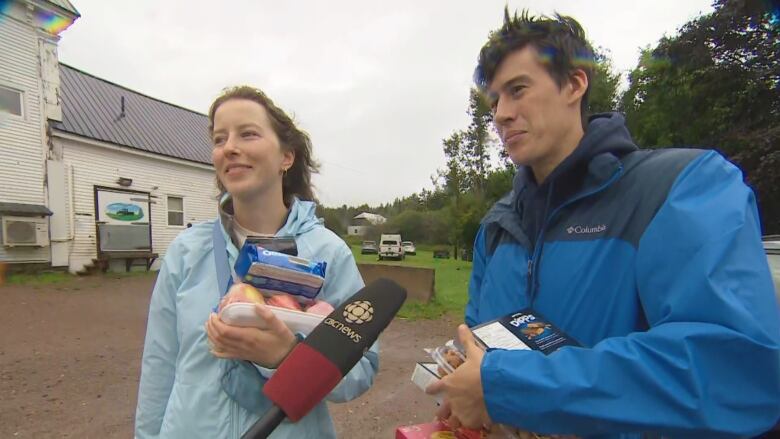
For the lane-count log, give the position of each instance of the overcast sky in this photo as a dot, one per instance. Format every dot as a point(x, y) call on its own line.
point(376, 84)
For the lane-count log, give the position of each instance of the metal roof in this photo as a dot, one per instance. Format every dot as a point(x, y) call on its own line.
point(92, 107)
point(373, 218)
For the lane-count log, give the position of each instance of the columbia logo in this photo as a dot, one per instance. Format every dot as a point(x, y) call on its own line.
point(580, 230)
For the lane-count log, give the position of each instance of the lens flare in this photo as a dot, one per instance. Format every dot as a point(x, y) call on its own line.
point(51, 23)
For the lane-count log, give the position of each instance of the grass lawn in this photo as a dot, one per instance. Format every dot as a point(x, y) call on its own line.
point(451, 283)
point(57, 277)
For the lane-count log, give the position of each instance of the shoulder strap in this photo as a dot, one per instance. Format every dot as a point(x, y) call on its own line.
point(224, 277)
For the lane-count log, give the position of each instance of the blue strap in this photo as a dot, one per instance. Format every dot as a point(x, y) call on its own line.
point(224, 277)
point(239, 379)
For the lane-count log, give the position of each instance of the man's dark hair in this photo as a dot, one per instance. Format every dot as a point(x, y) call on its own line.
point(560, 41)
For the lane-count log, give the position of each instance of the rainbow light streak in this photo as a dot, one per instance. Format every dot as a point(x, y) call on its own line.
point(51, 23)
point(584, 59)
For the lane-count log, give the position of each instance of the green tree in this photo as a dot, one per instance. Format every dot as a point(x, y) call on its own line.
point(716, 84)
point(603, 90)
point(332, 219)
point(478, 142)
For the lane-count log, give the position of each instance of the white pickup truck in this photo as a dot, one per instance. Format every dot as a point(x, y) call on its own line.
point(390, 247)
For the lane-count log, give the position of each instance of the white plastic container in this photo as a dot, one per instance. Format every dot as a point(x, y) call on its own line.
point(243, 314)
point(440, 353)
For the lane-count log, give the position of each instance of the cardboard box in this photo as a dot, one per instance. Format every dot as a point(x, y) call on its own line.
point(423, 431)
point(525, 330)
point(424, 375)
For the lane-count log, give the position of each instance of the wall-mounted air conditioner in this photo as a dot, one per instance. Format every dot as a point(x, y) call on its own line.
point(19, 231)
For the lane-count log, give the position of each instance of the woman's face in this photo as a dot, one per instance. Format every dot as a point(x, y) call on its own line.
point(247, 155)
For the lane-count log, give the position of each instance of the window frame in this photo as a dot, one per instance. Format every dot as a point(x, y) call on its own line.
point(168, 210)
point(22, 101)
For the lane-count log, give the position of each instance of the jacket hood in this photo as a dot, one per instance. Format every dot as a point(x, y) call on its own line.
point(594, 160)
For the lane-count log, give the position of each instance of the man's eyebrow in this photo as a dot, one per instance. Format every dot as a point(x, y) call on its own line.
point(521, 78)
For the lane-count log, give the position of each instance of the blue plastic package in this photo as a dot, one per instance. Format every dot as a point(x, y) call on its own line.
point(276, 272)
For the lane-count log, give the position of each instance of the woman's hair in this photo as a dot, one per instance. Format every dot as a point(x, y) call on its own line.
point(297, 180)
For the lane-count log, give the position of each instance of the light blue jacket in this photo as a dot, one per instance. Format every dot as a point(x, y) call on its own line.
point(180, 394)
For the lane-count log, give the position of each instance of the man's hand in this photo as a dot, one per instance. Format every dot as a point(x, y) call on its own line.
point(463, 397)
point(264, 347)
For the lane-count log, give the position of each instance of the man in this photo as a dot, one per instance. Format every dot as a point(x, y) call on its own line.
point(651, 260)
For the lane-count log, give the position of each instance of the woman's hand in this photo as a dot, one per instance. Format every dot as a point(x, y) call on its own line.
point(264, 347)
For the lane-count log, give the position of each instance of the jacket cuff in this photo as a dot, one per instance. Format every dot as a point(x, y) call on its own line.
point(267, 373)
point(501, 370)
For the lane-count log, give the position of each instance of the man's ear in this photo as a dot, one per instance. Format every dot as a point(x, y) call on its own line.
point(576, 86)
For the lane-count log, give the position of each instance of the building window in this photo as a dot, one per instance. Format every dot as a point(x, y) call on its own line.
point(175, 211)
point(10, 101)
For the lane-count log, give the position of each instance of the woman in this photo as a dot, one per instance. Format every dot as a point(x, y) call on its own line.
point(199, 376)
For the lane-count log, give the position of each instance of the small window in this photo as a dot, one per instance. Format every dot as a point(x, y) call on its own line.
point(10, 101)
point(175, 211)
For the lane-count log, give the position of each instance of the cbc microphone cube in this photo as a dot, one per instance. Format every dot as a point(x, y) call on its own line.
point(281, 273)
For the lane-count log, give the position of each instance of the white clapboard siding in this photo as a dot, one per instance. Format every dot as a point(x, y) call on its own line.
point(21, 139)
point(95, 165)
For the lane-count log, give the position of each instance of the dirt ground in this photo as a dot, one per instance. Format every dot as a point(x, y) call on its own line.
point(62, 375)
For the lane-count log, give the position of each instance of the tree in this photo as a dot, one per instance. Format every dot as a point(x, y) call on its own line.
point(410, 224)
point(478, 141)
point(453, 177)
point(332, 218)
point(716, 83)
point(603, 90)
point(498, 184)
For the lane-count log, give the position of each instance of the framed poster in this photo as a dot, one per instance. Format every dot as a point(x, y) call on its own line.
point(122, 208)
point(123, 220)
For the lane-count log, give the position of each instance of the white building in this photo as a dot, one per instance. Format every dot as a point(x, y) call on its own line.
point(89, 170)
point(362, 222)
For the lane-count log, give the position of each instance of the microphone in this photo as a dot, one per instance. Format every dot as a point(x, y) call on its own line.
point(317, 364)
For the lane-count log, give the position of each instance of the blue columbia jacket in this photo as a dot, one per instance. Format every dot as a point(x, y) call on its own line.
point(652, 261)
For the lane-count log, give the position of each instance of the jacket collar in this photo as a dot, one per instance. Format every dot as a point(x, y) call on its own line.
point(592, 164)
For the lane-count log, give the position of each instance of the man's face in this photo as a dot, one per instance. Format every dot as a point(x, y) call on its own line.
point(531, 113)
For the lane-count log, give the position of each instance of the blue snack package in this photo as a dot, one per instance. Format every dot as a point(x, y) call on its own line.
point(275, 272)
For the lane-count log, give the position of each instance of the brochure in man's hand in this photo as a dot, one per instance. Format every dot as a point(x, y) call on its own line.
point(525, 329)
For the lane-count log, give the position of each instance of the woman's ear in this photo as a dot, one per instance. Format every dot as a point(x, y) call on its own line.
point(288, 160)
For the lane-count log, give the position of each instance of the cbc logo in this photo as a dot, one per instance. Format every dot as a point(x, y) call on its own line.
point(359, 312)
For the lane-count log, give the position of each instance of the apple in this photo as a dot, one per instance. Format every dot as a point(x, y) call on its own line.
point(241, 293)
point(284, 301)
point(252, 294)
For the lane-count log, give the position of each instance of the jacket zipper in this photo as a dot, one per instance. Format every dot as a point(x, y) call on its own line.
point(234, 419)
point(533, 263)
